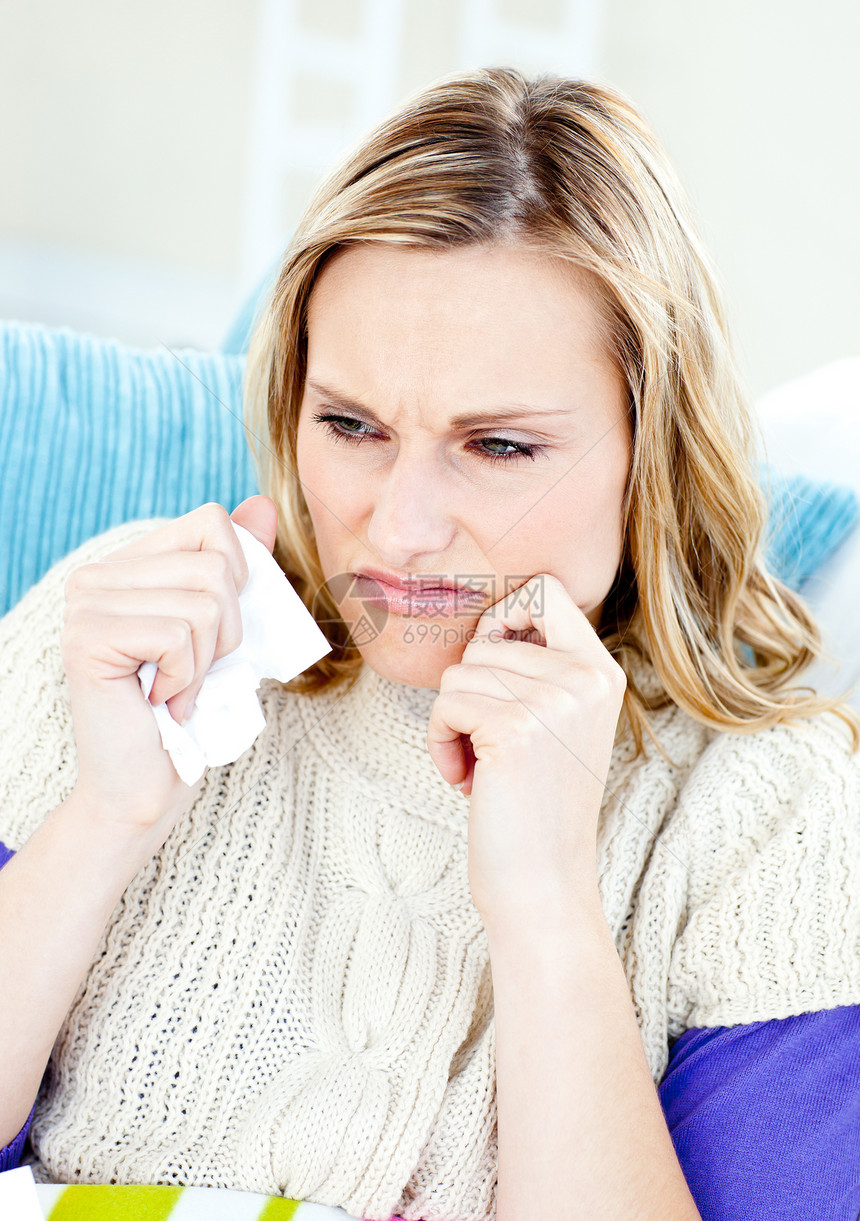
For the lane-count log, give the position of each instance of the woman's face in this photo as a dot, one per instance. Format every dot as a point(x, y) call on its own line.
point(401, 341)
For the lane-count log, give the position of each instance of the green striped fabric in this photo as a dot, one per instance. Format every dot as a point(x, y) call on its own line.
point(84, 1202)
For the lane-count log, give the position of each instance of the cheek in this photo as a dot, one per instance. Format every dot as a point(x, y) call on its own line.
point(573, 533)
point(322, 477)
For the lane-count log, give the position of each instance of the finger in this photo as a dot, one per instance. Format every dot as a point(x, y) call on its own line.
point(543, 606)
point(104, 648)
point(176, 690)
point(450, 748)
point(204, 529)
point(259, 514)
point(497, 681)
point(180, 571)
point(527, 691)
point(201, 570)
point(214, 632)
point(514, 656)
point(453, 719)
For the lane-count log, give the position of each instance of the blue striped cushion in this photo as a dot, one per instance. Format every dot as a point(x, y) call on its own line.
point(94, 433)
point(808, 520)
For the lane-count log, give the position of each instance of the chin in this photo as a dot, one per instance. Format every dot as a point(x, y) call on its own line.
point(416, 651)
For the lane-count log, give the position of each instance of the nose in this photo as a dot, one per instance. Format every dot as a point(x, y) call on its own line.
point(409, 519)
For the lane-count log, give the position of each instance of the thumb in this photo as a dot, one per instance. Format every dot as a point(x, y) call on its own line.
point(259, 515)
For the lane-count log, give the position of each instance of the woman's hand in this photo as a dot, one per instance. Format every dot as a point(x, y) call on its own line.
point(538, 722)
point(171, 597)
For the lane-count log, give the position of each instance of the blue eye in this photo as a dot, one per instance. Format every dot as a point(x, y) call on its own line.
point(335, 428)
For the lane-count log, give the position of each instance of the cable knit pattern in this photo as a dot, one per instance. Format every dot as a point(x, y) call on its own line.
point(294, 995)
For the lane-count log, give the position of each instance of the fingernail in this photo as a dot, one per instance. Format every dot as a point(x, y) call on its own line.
point(459, 786)
point(186, 716)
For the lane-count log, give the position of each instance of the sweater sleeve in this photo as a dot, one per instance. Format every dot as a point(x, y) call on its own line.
point(765, 1118)
point(768, 837)
point(38, 762)
point(10, 1155)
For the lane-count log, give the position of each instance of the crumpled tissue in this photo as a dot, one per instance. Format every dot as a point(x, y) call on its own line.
point(18, 1196)
point(280, 639)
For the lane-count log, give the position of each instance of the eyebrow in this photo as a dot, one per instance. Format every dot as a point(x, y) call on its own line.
point(496, 415)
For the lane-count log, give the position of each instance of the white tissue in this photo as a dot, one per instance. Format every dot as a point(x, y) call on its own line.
point(280, 639)
point(18, 1196)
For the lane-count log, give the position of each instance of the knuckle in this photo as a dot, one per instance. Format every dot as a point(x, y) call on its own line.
point(76, 580)
point(210, 609)
point(557, 699)
point(75, 639)
point(525, 720)
point(177, 635)
point(476, 642)
point(185, 673)
point(82, 602)
point(608, 682)
point(70, 636)
point(448, 678)
point(214, 513)
point(613, 674)
point(232, 638)
point(216, 564)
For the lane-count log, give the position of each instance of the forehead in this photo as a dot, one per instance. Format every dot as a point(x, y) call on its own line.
point(400, 273)
point(501, 305)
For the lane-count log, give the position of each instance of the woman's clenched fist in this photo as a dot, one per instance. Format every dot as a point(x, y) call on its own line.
point(171, 597)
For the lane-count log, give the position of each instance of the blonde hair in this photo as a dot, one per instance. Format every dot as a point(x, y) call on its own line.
point(569, 168)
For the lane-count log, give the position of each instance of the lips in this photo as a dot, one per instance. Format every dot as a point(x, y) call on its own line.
point(427, 598)
point(413, 585)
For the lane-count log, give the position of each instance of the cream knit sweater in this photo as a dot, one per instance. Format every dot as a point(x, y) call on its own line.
point(294, 995)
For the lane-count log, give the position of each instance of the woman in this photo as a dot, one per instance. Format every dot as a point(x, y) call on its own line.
point(503, 441)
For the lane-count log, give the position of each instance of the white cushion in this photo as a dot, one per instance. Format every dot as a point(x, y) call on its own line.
point(811, 426)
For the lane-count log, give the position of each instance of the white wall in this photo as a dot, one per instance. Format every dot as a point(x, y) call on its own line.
point(758, 103)
point(123, 130)
point(155, 155)
point(329, 70)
